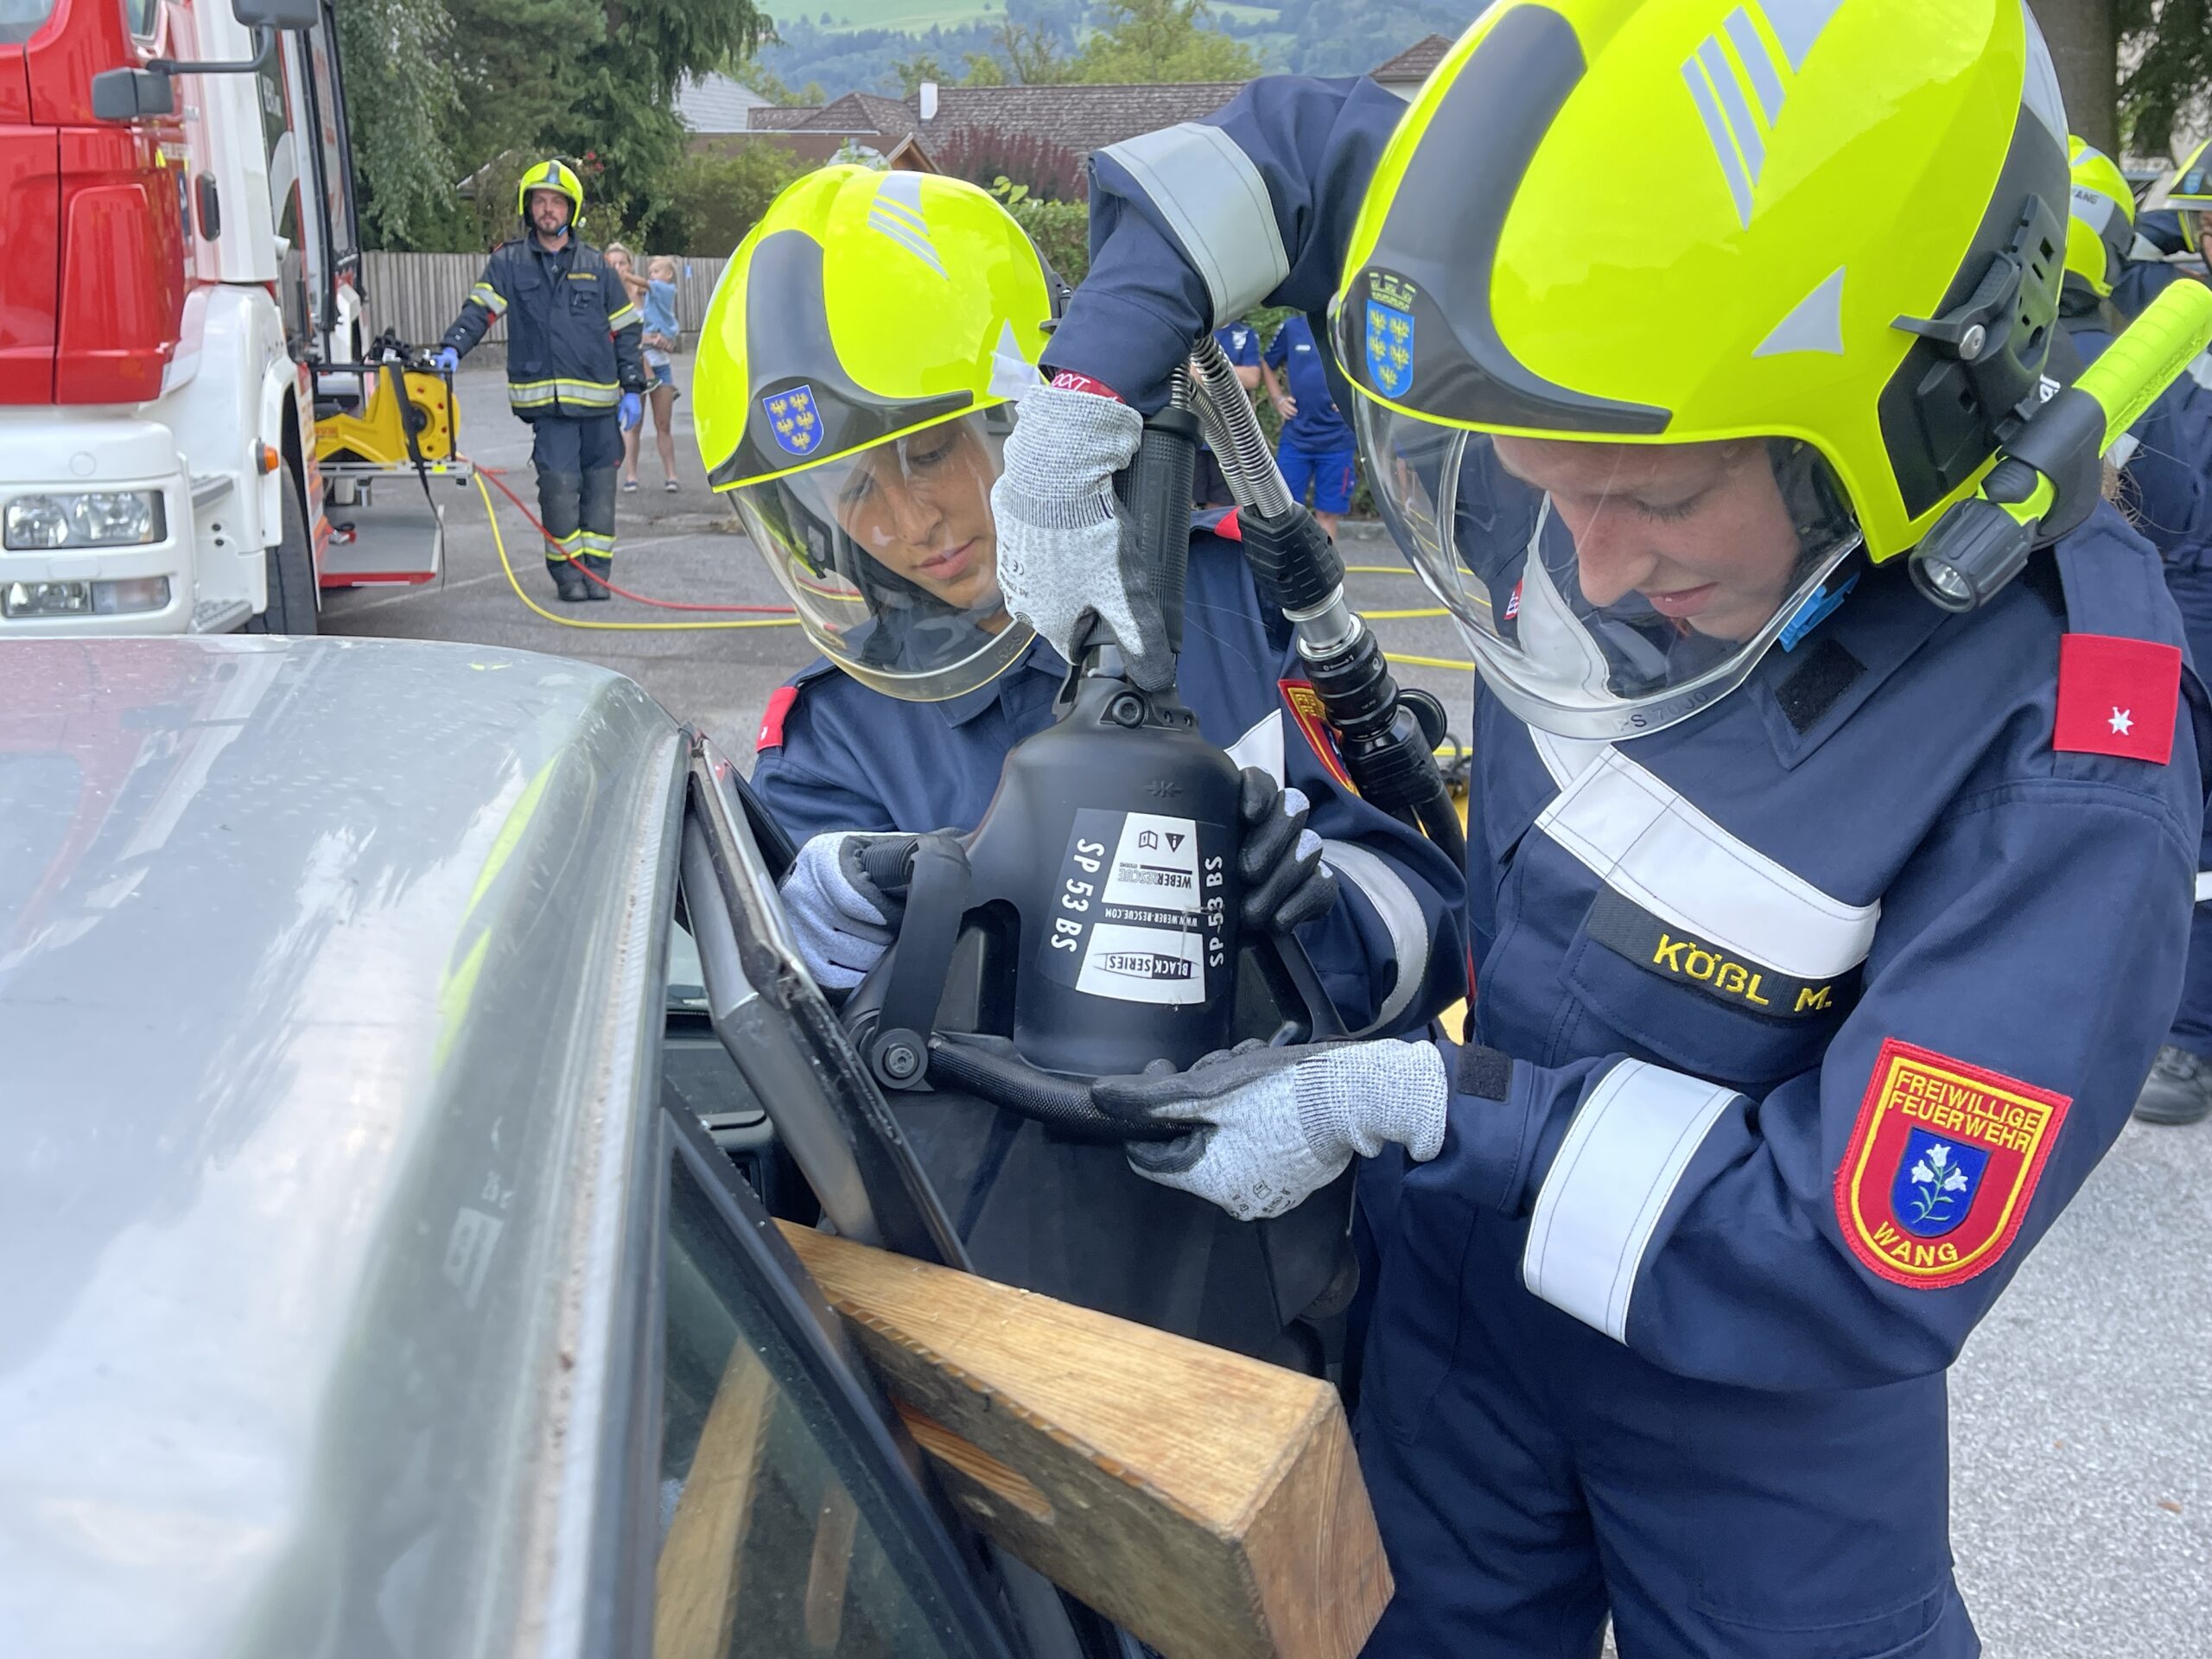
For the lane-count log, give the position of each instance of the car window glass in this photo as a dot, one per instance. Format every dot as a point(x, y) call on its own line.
point(774, 1537)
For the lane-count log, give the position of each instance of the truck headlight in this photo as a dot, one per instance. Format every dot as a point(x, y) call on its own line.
point(92, 518)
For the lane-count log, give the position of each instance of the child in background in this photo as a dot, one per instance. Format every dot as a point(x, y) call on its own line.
point(663, 337)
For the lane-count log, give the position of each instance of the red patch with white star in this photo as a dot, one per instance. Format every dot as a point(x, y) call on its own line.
point(772, 718)
point(2117, 696)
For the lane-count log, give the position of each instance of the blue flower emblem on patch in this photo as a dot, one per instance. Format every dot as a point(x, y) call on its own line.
point(794, 419)
point(1935, 1182)
point(1390, 349)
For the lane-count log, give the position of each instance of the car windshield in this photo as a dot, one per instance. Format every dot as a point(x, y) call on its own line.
point(775, 1537)
point(21, 19)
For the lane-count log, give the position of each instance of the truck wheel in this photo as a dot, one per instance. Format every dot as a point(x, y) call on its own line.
point(291, 572)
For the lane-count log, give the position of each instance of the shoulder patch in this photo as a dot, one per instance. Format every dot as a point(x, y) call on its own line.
point(1305, 708)
point(1941, 1164)
point(2117, 696)
point(780, 703)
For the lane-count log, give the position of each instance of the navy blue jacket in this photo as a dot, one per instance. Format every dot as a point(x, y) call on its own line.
point(572, 332)
point(836, 755)
point(1740, 979)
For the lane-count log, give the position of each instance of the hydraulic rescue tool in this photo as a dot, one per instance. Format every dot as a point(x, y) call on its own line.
point(1089, 925)
point(1091, 920)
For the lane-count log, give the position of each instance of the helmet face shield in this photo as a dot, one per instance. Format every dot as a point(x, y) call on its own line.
point(890, 557)
point(1611, 589)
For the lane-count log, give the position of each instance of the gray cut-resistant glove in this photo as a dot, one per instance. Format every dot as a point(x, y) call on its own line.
point(1286, 884)
point(845, 897)
point(1269, 1126)
point(1063, 553)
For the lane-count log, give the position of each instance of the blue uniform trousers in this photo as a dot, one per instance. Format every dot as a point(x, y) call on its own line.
point(577, 461)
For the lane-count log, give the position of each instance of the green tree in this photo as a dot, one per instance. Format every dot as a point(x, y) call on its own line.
point(398, 72)
point(1144, 40)
point(913, 72)
point(2169, 45)
point(1031, 54)
point(716, 199)
point(589, 80)
point(1060, 229)
point(983, 70)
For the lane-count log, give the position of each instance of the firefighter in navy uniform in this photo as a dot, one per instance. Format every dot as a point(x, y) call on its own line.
point(1824, 933)
point(2165, 462)
point(574, 371)
point(856, 380)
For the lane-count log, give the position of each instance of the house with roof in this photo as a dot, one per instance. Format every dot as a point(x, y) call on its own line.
point(913, 131)
point(1405, 74)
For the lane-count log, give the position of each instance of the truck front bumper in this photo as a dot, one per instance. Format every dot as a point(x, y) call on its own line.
point(44, 452)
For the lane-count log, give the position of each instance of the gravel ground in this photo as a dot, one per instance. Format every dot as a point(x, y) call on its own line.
point(2081, 1480)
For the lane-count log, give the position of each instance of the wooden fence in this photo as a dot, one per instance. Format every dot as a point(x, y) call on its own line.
point(420, 294)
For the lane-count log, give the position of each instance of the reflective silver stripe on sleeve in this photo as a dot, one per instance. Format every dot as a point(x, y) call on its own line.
point(2204, 885)
point(1648, 844)
point(1217, 204)
point(2123, 449)
point(1624, 1154)
point(2200, 370)
point(1402, 916)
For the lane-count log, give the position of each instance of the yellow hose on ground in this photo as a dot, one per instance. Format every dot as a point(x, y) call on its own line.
point(500, 543)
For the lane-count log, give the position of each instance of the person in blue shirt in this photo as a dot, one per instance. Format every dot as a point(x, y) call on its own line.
point(1240, 342)
point(2165, 489)
point(874, 515)
point(1316, 452)
point(1825, 933)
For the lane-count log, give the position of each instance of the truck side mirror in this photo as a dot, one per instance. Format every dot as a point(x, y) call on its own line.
point(130, 94)
point(277, 14)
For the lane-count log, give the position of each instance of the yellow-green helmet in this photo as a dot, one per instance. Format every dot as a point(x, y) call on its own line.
point(1826, 233)
point(2100, 228)
point(852, 386)
point(551, 174)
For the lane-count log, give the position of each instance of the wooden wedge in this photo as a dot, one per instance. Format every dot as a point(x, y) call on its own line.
point(1206, 1503)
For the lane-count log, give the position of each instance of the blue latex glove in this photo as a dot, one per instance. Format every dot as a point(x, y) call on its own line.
point(630, 411)
point(446, 358)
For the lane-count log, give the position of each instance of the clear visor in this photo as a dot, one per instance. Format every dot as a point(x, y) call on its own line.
point(891, 558)
point(1609, 590)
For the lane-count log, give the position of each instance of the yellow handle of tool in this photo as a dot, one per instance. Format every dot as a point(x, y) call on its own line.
point(2149, 355)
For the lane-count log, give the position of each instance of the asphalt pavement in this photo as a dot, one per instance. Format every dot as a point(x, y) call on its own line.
point(2081, 1410)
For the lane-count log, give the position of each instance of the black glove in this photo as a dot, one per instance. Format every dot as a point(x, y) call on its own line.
point(1286, 884)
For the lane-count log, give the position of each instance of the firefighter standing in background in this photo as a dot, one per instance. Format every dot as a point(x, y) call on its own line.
point(574, 371)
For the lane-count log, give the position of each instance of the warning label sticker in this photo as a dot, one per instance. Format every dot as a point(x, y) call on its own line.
point(1139, 916)
point(1156, 864)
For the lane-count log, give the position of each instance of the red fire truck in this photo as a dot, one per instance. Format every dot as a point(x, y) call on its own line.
point(181, 252)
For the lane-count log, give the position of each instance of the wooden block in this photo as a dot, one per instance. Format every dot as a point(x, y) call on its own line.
point(1207, 1502)
point(695, 1604)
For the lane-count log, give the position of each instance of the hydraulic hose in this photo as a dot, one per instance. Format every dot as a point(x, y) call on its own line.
point(499, 542)
point(1388, 752)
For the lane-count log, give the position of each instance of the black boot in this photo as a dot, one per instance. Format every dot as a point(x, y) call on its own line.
point(570, 585)
point(599, 565)
point(2179, 1089)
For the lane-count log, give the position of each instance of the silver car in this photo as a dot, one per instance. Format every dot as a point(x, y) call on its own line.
point(373, 1282)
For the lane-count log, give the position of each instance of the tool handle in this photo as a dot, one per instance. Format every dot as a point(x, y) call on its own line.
point(2149, 355)
point(1155, 491)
